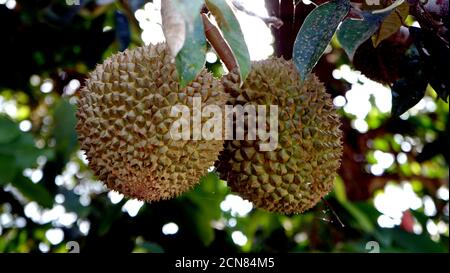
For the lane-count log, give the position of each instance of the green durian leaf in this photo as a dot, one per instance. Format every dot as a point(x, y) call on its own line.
point(232, 33)
point(406, 93)
point(64, 131)
point(391, 23)
point(316, 33)
point(410, 89)
point(8, 130)
point(352, 33)
point(205, 199)
point(191, 58)
point(35, 192)
point(190, 10)
point(7, 168)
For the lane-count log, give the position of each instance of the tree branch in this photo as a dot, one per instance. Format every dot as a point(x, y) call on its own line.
point(219, 44)
point(271, 21)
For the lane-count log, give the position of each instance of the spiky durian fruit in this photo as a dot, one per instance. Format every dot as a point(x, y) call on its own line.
point(124, 124)
point(293, 177)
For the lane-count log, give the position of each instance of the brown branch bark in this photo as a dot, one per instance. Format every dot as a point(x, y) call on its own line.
point(219, 44)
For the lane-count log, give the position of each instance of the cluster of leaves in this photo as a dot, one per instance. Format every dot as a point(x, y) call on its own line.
point(419, 66)
point(17, 152)
point(190, 56)
point(422, 64)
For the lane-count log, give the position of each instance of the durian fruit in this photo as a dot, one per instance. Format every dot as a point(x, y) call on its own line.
point(293, 177)
point(124, 124)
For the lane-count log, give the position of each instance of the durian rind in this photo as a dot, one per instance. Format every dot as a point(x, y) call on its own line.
point(301, 170)
point(124, 124)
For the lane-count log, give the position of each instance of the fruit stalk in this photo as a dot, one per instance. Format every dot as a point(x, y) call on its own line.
point(219, 44)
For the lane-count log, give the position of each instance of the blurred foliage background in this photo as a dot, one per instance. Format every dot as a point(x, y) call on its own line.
point(392, 188)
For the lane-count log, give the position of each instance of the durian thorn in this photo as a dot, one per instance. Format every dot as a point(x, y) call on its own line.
point(219, 44)
point(332, 211)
